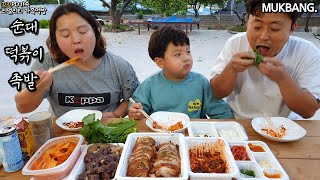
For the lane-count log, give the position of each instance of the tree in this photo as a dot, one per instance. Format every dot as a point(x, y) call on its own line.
point(196, 4)
point(115, 12)
point(243, 18)
point(79, 2)
point(166, 7)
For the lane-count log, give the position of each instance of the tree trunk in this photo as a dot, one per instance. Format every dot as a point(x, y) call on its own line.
point(115, 14)
point(196, 12)
point(306, 27)
point(241, 19)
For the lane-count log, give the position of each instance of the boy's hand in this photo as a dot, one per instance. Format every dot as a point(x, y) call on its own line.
point(273, 69)
point(242, 61)
point(45, 80)
point(134, 111)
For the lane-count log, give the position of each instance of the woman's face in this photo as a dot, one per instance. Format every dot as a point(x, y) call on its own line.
point(75, 36)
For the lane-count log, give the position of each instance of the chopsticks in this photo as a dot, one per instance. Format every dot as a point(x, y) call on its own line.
point(270, 124)
point(8, 121)
point(147, 116)
point(65, 64)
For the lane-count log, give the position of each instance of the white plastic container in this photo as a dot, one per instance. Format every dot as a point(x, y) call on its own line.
point(80, 165)
point(259, 161)
point(175, 138)
point(220, 145)
point(229, 130)
point(61, 170)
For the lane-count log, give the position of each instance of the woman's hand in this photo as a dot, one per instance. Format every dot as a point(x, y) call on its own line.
point(134, 111)
point(45, 80)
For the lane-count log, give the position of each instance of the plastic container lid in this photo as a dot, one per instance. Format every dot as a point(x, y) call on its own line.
point(40, 118)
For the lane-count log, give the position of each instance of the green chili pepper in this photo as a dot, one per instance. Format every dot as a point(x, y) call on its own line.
point(248, 172)
point(259, 57)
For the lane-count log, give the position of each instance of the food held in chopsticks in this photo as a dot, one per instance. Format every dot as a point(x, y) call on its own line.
point(278, 134)
point(54, 156)
point(70, 62)
point(146, 160)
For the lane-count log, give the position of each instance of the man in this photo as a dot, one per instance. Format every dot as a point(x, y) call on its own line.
point(287, 79)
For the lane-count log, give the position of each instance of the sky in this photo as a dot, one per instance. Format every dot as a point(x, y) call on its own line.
point(95, 5)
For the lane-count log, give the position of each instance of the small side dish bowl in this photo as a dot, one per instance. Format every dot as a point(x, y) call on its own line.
point(76, 116)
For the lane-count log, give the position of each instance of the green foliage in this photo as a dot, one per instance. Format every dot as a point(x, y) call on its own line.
point(37, 2)
point(24, 20)
point(239, 28)
point(166, 7)
point(44, 24)
point(140, 15)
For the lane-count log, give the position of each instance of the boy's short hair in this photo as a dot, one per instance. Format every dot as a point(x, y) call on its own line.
point(160, 40)
point(254, 7)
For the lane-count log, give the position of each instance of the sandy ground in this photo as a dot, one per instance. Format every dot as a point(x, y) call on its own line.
point(205, 47)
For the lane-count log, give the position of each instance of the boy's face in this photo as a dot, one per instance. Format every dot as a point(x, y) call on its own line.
point(176, 63)
point(269, 33)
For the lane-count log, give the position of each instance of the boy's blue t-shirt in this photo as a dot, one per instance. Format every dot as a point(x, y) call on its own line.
point(192, 96)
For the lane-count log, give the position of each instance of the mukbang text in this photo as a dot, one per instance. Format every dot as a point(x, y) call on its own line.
point(289, 7)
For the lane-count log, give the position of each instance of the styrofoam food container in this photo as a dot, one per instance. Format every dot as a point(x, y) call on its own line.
point(61, 170)
point(229, 130)
point(80, 165)
point(221, 146)
point(256, 158)
point(175, 138)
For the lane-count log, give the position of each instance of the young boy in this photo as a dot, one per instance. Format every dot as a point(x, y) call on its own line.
point(175, 88)
point(287, 80)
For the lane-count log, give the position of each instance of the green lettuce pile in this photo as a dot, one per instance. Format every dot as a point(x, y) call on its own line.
point(95, 132)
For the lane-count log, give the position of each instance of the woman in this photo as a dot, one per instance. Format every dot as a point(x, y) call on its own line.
point(99, 81)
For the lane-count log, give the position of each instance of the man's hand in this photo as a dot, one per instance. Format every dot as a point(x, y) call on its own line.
point(134, 111)
point(273, 69)
point(241, 61)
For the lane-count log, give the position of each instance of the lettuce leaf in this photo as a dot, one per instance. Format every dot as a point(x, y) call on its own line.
point(96, 132)
point(259, 58)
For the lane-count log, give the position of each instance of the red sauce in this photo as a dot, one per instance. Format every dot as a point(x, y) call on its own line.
point(240, 153)
point(256, 148)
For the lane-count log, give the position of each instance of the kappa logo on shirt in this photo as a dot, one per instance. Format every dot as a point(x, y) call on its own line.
point(79, 100)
